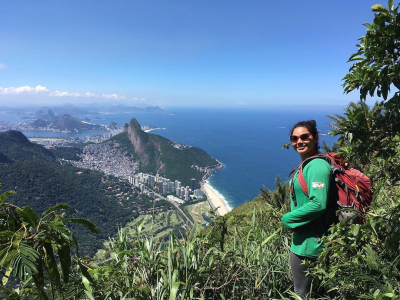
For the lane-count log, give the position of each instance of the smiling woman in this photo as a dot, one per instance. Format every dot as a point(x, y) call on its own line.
point(305, 218)
point(304, 138)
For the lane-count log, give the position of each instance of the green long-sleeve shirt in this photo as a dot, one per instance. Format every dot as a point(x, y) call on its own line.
point(307, 242)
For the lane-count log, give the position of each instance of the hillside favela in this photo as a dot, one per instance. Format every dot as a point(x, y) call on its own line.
point(200, 150)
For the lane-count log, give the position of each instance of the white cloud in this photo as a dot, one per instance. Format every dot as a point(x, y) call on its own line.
point(43, 91)
point(65, 94)
point(3, 67)
point(113, 96)
point(69, 94)
point(88, 94)
point(22, 90)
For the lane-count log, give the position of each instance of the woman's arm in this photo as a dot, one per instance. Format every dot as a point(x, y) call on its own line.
point(317, 175)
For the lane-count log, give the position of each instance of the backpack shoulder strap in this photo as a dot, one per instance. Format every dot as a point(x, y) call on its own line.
point(300, 177)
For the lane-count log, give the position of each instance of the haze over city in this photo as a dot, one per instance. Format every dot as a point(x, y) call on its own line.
point(181, 53)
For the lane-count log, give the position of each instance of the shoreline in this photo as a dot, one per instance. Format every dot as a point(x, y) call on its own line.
point(214, 200)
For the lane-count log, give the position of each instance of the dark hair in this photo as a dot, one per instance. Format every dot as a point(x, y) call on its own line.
point(311, 125)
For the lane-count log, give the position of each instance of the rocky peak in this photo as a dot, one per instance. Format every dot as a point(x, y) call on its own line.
point(138, 138)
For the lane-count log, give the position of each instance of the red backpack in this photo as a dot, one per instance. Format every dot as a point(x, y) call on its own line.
point(351, 193)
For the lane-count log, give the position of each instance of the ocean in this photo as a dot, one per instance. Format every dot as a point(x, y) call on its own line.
point(247, 141)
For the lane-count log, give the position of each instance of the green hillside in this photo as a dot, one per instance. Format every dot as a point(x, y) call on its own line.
point(159, 155)
point(17, 147)
point(41, 182)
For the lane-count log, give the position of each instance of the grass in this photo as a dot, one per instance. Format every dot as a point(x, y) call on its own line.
point(197, 210)
point(158, 225)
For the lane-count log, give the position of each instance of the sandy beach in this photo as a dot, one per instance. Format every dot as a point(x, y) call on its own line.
point(215, 200)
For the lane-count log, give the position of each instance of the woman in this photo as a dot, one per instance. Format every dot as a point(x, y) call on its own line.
point(306, 212)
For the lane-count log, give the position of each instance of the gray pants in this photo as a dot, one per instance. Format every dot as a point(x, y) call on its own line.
point(302, 283)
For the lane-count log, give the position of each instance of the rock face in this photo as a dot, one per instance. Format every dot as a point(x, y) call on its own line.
point(145, 147)
point(138, 138)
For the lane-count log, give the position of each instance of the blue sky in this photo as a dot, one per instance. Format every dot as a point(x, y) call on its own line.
point(179, 53)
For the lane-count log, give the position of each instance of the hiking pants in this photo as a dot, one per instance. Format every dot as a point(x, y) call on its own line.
point(302, 283)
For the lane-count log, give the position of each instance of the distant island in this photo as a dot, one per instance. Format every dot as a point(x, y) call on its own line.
point(61, 118)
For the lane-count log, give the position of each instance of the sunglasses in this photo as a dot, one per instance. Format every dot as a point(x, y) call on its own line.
point(303, 137)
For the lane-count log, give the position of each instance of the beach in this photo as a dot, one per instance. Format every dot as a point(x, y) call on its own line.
point(214, 200)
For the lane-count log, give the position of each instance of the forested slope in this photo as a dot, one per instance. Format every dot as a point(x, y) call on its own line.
point(40, 182)
point(160, 155)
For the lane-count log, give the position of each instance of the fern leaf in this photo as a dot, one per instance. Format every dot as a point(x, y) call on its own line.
point(29, 216)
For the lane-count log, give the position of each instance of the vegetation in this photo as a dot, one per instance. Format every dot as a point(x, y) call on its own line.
point(176, 163)
point(244, 254)
point(125, 143)
point(69, 153)
point(37, 251)
point(15, 146)
point(364, 260)
point(40, 181)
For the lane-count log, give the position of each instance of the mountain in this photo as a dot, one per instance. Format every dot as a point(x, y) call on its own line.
point(45, 115)
point(41, 182)
point(68, 123)
point(160, 155)
point(17, 147)
point(4, 158)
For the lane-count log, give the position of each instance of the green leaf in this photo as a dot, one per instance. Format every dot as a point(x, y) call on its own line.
point(51, 265)
point(379, 8)
point(30, 258)
point(390, 295)
point(39, 282)
point(57, 207)
point(353, 58)
point(89, 225)
point(64, 253)
point(174, 290)
point(29, 216)
point(6, 233)
point(4, 196)
point(89, 295)
point(85, 273)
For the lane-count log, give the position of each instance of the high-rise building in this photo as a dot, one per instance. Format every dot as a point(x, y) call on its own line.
point(165, 188)
point(186, 195)
point(193, 182)
point(182, 192)
point(151, 180)
point(171, 187)
point(178, 184)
